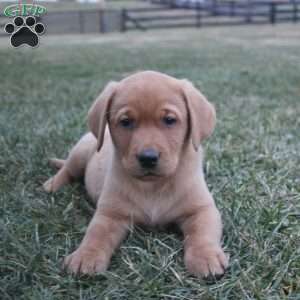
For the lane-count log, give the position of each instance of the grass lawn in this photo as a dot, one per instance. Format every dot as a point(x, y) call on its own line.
point(251, 74)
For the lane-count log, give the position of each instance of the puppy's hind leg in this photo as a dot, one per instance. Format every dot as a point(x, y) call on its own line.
point(74, 166)
point(57, 163)
point(57, 181)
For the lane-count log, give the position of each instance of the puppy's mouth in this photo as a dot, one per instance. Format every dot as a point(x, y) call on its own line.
point(149, 176)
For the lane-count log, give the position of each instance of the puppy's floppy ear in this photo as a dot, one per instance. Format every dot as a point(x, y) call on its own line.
point(98, 113)
point(202, 114)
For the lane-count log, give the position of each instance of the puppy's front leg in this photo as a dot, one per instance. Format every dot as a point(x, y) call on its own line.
point(103, 235)
point(202, 232)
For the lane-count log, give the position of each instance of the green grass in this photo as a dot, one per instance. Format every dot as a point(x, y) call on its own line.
point(252, 74)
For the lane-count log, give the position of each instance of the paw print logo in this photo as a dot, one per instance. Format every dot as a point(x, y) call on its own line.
point(24, 31)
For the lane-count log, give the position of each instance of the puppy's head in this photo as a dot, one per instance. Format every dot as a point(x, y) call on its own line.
point(152, 118)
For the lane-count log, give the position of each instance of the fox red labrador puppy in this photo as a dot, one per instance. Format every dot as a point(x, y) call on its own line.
point(142, 164)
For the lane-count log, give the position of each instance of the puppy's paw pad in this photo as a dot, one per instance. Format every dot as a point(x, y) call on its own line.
point(85, 262)
point(206, 262)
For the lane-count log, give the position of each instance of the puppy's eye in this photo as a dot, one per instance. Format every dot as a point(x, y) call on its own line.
point(169, 121)
point(127, 122)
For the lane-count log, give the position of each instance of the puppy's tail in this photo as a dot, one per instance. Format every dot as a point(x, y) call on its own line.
point(57, 163)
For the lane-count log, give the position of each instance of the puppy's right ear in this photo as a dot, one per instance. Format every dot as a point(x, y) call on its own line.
point(98, 113)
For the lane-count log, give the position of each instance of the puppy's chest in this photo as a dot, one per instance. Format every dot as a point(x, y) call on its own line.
point(157, 209)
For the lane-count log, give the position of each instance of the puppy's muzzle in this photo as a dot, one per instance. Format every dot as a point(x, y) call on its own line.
point(148, 158)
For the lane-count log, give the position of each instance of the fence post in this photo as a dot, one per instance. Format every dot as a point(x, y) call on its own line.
point(273, 12)
point(101, 21)
point(249, 12)
point(81, 21)
point(198, 14)
point(172, 4)
point(295, 11)
point(232, 8)
point(123, 20)
point(214, 7)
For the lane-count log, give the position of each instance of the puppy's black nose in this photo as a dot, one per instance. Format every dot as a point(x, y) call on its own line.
point(148, 158)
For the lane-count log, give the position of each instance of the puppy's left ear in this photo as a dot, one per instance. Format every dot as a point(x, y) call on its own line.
point(98, 113)
point(202, 114)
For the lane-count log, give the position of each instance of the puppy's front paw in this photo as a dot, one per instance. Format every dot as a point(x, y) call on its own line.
point(86, 262)
point(206, 261)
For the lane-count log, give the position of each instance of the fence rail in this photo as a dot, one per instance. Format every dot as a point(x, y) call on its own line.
point(82, 21)
point(210, 13)
point(169, 14)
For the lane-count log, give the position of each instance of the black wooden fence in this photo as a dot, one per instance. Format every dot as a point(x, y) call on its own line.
point(80, 21)
point(210, 13)
point(170, 13)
